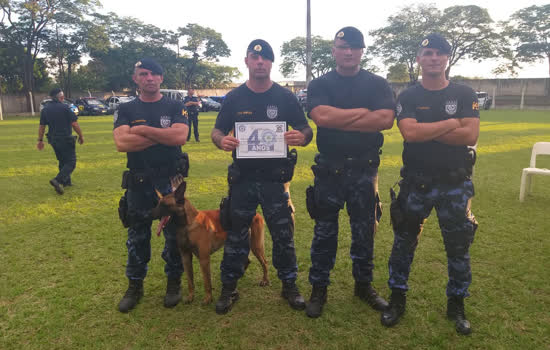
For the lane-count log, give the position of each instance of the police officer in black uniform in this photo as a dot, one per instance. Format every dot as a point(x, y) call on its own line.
point(438, 120)
point(192, 104)
point(260, 180)
point(350, 107)
point(60, 118)
point(151, 129)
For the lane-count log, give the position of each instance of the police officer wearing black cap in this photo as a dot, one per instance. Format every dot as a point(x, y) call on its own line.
point(260, 180)
point(151, 129)
point(350, 107)
point(438, 120)
point(192, 104)
point(60, 119)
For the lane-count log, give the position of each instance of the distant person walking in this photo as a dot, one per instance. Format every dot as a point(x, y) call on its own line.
point(60, 118)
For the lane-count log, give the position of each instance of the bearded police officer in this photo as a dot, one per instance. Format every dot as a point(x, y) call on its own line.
point(438, 120)
point(263, 110)
point(350, 107)
point(151, 129)
point(192, 104)
point(60, 118)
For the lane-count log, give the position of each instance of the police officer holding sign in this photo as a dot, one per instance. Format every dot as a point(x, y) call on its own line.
point(192, 104)
point(350, 107)
point(151, 130)
point(60, 118)
point(438, 120)
point(263, 110)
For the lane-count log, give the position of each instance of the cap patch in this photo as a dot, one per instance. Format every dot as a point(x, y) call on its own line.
point(258, 48)
point(340, 35)
point(138, 64)
point(425, 42)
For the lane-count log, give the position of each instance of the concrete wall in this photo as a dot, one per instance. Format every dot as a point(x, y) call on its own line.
point(506, 93)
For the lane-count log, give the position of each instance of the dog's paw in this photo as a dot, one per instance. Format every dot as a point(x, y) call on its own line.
point(264, 283)
point(189, 299)
point(207, 300)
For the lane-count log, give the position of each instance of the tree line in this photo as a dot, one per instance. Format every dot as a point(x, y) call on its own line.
point(89, 50)
point(523, 38)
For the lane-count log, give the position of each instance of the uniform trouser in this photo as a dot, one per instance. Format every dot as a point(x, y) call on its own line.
point(458, 226)
point(359, 190)
point(193, 124)
point(245, 197)
point(141, 199)
point(65, 153)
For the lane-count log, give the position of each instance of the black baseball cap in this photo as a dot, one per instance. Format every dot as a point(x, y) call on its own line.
point(436, 41)
point(352, 36)
point(55, 91)
point(262, 48)
point(150, 64)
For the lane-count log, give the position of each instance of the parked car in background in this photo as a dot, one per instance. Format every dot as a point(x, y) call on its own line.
point(302, 98)
point(174, 94)
point(218, 99)
point(66, 101)
point(91, 106)
point(114, 101)
point(485, 101)
point(209, 104)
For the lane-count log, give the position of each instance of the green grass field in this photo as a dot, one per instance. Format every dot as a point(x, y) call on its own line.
point(63, 257)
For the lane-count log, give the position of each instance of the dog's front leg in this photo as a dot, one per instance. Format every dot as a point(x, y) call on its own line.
point(187, 259)
point(204, 260)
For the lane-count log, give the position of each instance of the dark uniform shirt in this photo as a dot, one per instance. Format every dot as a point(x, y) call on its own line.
point(363, 90)
point(191, 109)
point(427, 106)
point(274, 105)
point(159, 114)
point(58, 117)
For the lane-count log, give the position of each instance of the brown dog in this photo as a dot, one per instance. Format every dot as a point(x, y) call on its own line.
point(201, 233)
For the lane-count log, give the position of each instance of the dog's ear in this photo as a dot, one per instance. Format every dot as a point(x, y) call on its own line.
point(180, 193)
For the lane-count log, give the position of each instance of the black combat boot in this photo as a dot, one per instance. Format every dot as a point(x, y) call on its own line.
point(367, 293)
point(132, 296)
point(57, 186)
point(398, 300)
point(318, 298)
point(227, 298)
point(291, 293)
point(455, 312)
point(173, 292)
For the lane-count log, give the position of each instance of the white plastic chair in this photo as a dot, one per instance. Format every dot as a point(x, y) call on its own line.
point(538, 148)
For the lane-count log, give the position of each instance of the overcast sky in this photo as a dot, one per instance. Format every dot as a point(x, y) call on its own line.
point(241, 21)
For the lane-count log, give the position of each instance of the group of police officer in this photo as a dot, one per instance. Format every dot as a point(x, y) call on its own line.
point(438, 120)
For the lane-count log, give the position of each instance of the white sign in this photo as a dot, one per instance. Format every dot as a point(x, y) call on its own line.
point(261, 139)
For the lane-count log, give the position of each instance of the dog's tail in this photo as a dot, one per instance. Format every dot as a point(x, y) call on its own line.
point(257, 235)
point(257, 229)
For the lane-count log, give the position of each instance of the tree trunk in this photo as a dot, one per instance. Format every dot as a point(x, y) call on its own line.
point(28, 76)
point(69, 70)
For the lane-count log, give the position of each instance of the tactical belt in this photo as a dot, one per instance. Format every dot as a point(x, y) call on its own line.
point(282, 174)
point(429, 178)
point(336, 166)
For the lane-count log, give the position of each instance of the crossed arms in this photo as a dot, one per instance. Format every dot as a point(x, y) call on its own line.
point(140, 137)
point(355, 119)
point(464, 131)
